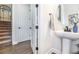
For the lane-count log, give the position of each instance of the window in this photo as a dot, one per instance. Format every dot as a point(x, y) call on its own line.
point(5, 13)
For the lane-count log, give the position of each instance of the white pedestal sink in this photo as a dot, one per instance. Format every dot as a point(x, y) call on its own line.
point(66, 38)
point(67, 35)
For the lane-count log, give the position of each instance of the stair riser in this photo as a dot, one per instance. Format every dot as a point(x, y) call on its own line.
point(5, 22)
point(5, 27)
point(5, 31)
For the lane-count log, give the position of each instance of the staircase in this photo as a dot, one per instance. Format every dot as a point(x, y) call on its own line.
point(5, 33)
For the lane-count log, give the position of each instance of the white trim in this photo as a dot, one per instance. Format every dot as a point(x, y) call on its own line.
point(14, 43)
point(6, 41)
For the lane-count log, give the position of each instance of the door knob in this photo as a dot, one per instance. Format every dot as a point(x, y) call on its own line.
point(19, 27)
point(30, 27)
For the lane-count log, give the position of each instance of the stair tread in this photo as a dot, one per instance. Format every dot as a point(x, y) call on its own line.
point(6, 44)
point(5, 28)
point(5, 31)
point(5, 41)
point(5, 37)
point(5, 25)
point(5, 22)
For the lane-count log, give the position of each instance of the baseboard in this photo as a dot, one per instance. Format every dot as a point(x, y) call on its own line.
point(14, 43)
point(22, 40)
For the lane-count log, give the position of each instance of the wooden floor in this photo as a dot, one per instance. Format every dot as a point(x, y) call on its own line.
point(21, 48)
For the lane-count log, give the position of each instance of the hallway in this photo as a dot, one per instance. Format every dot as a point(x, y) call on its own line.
point(21, 48)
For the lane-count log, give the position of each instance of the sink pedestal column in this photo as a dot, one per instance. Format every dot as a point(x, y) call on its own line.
point(66, 46)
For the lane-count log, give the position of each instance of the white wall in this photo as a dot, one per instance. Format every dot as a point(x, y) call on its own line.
point(33, 24)
point(20, 15)
point(47, 39)
point(70, 9)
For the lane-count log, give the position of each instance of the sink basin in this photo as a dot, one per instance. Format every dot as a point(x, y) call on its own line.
point(68, 35)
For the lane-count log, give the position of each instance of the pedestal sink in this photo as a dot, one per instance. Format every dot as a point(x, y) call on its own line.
point(67, 35)
point(66, 38)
